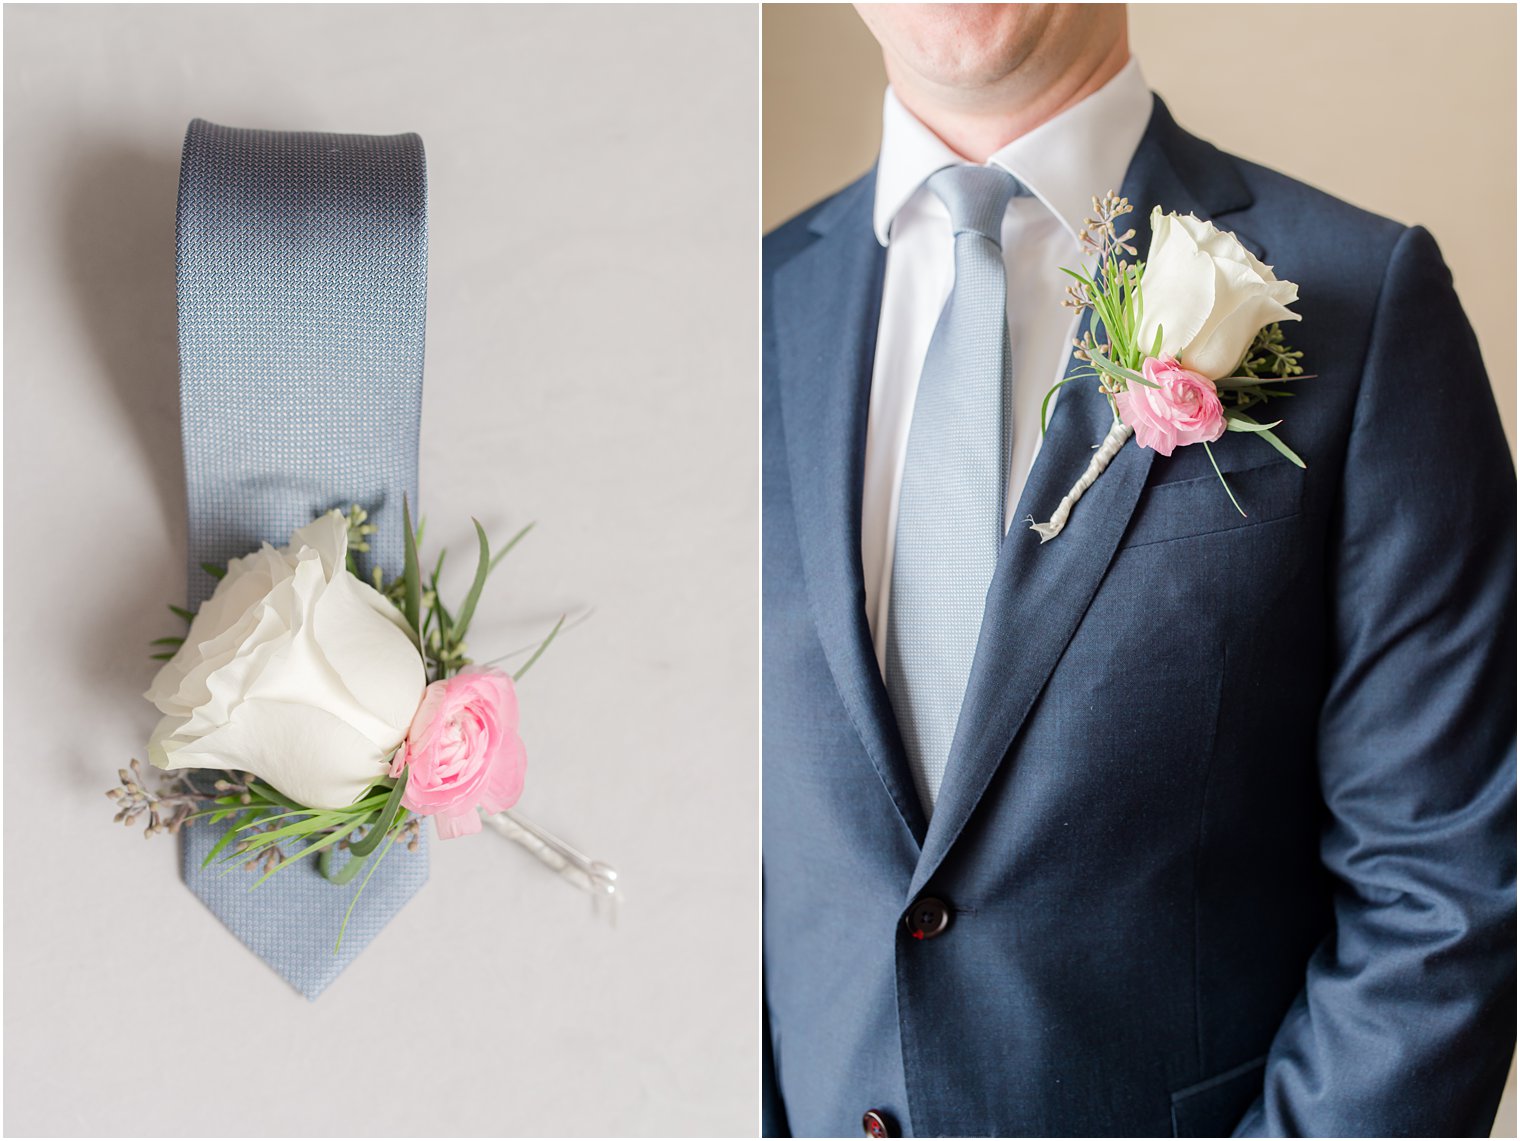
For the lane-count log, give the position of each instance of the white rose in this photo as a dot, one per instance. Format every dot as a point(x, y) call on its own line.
point(294, 671)
point(1208, 294)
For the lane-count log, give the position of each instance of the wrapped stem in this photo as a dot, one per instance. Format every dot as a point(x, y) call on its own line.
point(1100, 461)
point(581, 870)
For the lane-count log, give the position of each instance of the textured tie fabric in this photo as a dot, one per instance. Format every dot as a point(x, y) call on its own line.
point(954, 481)
point(302, 274)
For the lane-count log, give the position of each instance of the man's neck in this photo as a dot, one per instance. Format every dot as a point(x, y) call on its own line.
point(978, 123)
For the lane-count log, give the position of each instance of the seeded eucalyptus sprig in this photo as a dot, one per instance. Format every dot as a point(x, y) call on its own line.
point(1270, 357)
point(1112, 290)
point(1110, 347)
point(168, 804)
point(359, 531)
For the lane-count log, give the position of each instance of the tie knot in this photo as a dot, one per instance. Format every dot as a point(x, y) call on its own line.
point(977, 197)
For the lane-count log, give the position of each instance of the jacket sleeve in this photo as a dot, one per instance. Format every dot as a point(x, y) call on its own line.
point(773, 1121)
point(1406, 1022)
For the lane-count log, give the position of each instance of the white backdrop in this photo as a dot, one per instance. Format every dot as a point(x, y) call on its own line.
point(591, 365)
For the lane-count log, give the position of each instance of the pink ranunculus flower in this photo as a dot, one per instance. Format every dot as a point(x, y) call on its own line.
point(1184, 408)
point(463, 752)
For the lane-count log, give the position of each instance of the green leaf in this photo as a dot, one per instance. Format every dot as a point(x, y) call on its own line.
point(413, 607)
point(1245, 383)
point(1105, 316)
point(183, 613)
point(386, 821)
point(315, 820)
point(440, 614)
point(227, 838)
point(1272, 438)
point(1236, 422)
point(482, 570)
point(159, 657)
point(338, 824)
point(1222, 479)
point(297, 830)
point(318, 819)
point(344, 874)
point(214, 571)
point(1081, 276)
point(362, 885)
point(512, 542)
point(1129, 376)
point(310, 850)
point(1156, 347)
point(170, 641)
point(269, 817)
point(269, 793)
point(1045, 404)
point(212, 814)
point(542, 646)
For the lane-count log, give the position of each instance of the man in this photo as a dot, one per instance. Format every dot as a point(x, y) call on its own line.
point(1186, 821)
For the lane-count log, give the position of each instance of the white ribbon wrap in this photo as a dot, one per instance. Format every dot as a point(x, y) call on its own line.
point(1101, 459)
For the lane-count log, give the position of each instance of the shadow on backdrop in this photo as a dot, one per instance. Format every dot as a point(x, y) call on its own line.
point(114, 241)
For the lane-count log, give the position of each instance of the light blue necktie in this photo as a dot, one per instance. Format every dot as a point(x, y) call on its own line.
point(954, 481)
point(302, 269)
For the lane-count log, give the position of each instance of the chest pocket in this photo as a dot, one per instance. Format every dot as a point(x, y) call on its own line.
point(1183, 508)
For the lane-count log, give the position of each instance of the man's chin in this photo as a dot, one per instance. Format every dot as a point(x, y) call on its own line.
point(959, 46)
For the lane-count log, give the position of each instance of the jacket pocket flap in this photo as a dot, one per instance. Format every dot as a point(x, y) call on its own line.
point(1213, 1108)
point(1201, 506)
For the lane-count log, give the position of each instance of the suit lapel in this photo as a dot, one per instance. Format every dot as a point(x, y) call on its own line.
point(1040, 593)
point(826, 303)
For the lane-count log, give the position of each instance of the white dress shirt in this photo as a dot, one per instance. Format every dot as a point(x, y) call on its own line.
point(1082, 152)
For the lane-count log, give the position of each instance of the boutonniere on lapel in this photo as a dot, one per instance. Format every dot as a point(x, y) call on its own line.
point(1183, 346)
point(314, 714)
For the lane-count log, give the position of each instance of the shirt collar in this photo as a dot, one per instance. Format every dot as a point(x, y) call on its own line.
point(1065, 161)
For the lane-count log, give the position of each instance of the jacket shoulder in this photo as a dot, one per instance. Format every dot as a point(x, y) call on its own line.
point(1290, 206)
point(788, 239)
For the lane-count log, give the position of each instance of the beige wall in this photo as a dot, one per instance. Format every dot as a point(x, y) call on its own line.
point(1408, 110)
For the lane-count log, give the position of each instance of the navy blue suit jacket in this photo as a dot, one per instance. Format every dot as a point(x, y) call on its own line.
point(1228, 827)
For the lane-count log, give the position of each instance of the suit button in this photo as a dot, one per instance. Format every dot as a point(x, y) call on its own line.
point(875, 1124)
point(927, 918)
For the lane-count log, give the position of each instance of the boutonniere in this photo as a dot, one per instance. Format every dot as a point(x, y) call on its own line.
point(325, 717)
point(1183, 346)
